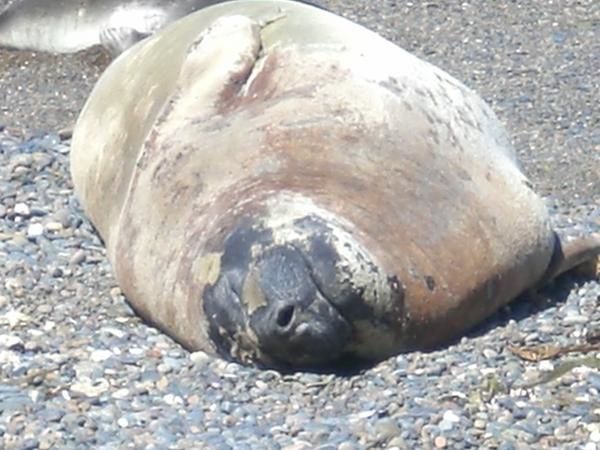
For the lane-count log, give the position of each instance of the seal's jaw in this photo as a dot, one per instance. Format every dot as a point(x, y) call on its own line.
point(300, 291)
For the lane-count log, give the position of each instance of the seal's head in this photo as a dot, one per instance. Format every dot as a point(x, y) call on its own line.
point(297, 289)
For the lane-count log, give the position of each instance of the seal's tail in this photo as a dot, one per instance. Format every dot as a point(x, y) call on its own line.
point(580, 253)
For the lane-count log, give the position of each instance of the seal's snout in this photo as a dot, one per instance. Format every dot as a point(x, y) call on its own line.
point(296, 324)
point(295, 288)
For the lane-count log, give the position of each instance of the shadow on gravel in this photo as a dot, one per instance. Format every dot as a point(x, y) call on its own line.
point(554, 294)
point(347, 366)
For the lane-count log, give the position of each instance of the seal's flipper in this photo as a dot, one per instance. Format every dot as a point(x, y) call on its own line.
point(118, 39)
point(218, 64)
point(572, 252)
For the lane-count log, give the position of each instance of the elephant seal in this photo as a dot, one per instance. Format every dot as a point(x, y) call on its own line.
point(67, 26)
point(282, 187)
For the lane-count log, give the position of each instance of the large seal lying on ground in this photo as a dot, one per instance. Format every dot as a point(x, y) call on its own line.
point(66, 26)
point(283, 187)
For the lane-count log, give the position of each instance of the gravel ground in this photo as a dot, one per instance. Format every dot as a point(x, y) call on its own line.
point(79, 370)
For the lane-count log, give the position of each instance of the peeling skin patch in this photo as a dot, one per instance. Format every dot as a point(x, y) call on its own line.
point(252, 295)
point(209, 267)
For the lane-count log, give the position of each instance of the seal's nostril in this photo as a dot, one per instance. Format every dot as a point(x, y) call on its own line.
point(284, 316)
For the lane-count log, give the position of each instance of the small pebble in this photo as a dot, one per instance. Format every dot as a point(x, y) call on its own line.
point(440, 442)
point(35, 230)
point(100, 355)
point(546, 366)
point(479, 424)
point(449, 419)
point(77, 258)
point(54, 226)
point(22, 210)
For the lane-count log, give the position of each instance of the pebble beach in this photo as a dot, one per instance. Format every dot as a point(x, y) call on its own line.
point(79, 370)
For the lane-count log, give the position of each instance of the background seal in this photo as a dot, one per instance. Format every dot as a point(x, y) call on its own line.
point(66, 26)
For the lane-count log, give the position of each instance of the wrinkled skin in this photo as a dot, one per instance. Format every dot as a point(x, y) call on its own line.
point(282, 187)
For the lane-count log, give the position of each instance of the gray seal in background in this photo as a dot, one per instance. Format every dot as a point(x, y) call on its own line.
point(67, 26)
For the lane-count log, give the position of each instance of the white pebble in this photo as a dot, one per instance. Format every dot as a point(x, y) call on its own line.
point(78, 257)
point(545, 366)
point(261, 385)
point(361, 415)
point(54, 226)
point(14, 318)
point(22, 209)
point(119, 334)
point(120, 394)
point(593, 426)
point(34, 395)
point(9, 357)
point(136, 351)
point(576, 319)
point(595, 436)
point(200, 358)
point(480, 424)
point(90, 388)
point(298, 445)
point(489, 353)
point(449, 419)
point(100, 355)
point(10, 341)
point(450, 416)
point(35, 230)
point(173, 400)
point(163, 368)
point(123, 422)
